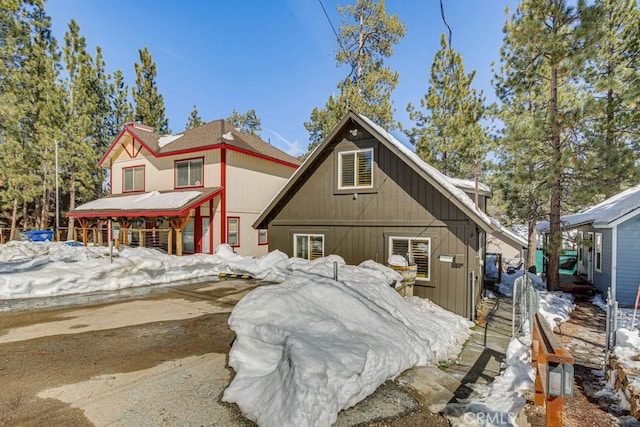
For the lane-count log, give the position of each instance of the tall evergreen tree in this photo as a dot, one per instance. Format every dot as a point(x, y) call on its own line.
point(448, 134)
point(367, 35)
point(194, 119)
point(86, 118)
point(541, 62)
point(613, 114)
point(149, 104)
point(246, 123)
point(122, 111)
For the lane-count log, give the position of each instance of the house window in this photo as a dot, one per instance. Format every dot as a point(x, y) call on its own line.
point(308, 246)
point(133, 179)
point(598, 252)
point(419, 250)
point(355, 169)
point(263, 238)
point(233, 231)
point(189, 173)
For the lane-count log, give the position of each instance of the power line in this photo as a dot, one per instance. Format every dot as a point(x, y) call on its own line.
point(332, 27)
point(445, 22)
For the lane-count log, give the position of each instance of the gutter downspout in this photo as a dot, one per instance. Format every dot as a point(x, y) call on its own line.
point(614, 263)
point(223, 196)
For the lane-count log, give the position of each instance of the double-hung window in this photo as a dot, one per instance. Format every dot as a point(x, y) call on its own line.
point(598, 252)
point(133, 179)
point(263, 237)
point(189, 173)
point(355, 169)
point(308, 246)
point(418, 249)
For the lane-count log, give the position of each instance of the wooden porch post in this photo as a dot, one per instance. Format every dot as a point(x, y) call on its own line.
point(85, 224)
point(179, 224)
point(124, 227)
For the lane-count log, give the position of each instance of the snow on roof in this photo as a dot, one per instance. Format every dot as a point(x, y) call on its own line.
point(469, 184)
point(509, 233)
point(442, 179)
point(141, 201)
point(167, 139)
point(603, 213)
point(228, 136)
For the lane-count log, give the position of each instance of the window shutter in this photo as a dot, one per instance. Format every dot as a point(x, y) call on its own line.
point(365, 175)
point(420, 251)
point(317, 247)
point(347, 169)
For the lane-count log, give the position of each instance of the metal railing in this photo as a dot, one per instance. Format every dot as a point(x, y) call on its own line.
point(525, 306)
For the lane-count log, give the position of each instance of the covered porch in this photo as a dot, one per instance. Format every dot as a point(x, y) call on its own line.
point(177, 222)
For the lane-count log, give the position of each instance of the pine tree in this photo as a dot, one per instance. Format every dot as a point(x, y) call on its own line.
point(86, 131)
point(149, 104)
point(248, 123)
point(367, 35)
point(449, 134)
point(122, 111)
point(194, 119)
point(542, 62)
point(614, 117)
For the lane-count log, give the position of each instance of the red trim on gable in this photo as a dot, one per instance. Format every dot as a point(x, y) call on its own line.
point(115, 143)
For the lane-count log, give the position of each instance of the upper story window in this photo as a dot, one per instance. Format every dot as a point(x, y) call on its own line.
point(189, 173)
point(355, 169)
point(133, 179)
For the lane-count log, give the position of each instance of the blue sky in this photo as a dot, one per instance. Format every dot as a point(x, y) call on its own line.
point(275, 56)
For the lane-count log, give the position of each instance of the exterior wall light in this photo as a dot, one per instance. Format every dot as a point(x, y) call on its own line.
point(560, 379)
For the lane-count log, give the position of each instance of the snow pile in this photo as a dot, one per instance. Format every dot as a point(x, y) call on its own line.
point(508, 281)
point(627, 351)
point(311, 346)
point(555, 307)
point(500, 402)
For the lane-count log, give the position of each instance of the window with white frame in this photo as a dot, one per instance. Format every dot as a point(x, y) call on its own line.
point(133, 179)
point(355, 169)
point(189, 173)
point(308, 246)
point(233, 231)
point(263, 238)
point(598, 251)
point(417, 248)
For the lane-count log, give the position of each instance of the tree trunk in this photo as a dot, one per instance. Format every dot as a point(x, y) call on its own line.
point(44, 213)
point(555, 202)
point(25, 215)
point(532, 247)
point(14, 220)
point(72, 205)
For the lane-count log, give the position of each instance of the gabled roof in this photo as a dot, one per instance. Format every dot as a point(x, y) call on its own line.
point(439, 181)
point(149, 204)
point(212, 135)
point(614, 210)
point(508, 236)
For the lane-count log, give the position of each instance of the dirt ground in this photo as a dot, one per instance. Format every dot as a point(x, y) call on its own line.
point(73, 367)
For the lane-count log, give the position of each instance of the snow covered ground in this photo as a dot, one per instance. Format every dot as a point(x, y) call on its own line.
point(307, 346)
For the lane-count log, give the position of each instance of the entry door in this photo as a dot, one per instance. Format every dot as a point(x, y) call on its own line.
point(206, 235)
point(188, 237)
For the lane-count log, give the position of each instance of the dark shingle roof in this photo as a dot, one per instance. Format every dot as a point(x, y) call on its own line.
point(212, 133)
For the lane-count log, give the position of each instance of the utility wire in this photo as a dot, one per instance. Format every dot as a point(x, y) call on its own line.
point(332, 27)
point(445, 22)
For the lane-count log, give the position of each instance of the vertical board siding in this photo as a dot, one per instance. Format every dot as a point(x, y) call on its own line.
point(628, 274)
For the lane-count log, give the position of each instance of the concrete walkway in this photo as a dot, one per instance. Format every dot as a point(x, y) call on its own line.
point(479, 363)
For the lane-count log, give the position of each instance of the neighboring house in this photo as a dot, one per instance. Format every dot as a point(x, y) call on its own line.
point(362, 195)
point(608, 240)
point(207, 184)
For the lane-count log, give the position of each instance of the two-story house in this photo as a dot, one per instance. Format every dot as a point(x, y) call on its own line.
point(206, 185)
